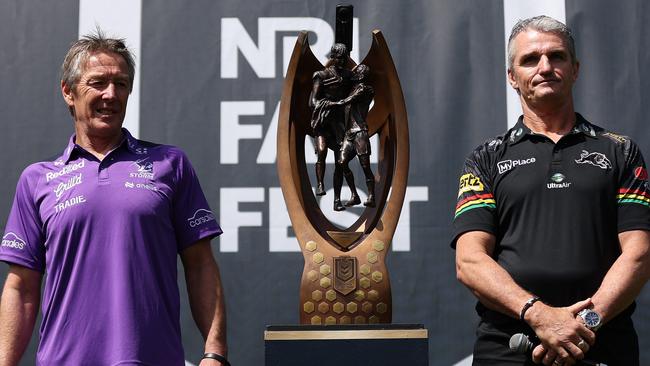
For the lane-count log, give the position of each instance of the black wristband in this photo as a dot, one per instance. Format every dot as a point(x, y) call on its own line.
point(218, 357)
point(527, 306)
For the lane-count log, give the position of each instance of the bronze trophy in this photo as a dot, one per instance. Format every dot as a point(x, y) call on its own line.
point(344, 280)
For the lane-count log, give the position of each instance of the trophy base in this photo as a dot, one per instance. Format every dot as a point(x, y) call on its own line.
point(343, 345)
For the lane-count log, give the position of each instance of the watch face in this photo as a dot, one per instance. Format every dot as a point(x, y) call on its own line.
point(591, 318)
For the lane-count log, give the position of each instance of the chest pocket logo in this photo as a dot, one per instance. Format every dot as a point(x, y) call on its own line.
point(595, 159)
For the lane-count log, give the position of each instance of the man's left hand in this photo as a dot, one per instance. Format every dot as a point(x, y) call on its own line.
point(560, 333)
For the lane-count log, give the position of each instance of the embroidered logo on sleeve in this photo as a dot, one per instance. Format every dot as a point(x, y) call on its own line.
point(11, 240)
point(595, 159)
point(200, 217)
point(469, 183)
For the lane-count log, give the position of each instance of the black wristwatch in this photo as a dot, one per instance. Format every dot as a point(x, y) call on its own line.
point(592, 319)
point(216, 356)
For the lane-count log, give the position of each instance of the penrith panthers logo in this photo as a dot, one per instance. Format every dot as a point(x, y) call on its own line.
point(595, 159)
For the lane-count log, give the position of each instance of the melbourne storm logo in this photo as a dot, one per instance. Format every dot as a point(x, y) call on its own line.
point(144, 169)
point(595, 159)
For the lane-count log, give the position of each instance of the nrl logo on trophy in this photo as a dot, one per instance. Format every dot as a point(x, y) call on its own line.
point(340, 106)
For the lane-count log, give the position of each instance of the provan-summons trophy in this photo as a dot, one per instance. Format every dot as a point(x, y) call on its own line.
point(340, 106)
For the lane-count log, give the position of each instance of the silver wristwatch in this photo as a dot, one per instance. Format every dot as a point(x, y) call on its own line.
point(592, 319)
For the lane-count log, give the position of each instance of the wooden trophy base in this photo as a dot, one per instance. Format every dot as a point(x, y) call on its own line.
point(346, 345)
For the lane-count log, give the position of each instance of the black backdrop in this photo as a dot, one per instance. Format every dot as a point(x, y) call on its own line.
point(450, 57)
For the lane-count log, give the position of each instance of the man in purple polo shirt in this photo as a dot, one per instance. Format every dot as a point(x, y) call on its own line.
point(105, 221)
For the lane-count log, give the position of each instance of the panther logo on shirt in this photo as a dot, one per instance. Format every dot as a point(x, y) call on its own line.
point(595, 159)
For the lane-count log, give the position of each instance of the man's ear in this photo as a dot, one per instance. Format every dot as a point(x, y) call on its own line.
point(512, 81)
point(68, 95)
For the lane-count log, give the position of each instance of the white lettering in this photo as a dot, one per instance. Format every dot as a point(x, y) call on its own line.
point(262, 57)
point(506, 165)
point(11, 240)
point(558, 185)
point(279, 224)
point(231, 131)
point(402, 237)
point(231, 218)
point(65, 186)
point(65, 170)
point(69, 203)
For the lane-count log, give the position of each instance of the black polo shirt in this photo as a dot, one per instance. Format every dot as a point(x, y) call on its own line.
point(555, 208)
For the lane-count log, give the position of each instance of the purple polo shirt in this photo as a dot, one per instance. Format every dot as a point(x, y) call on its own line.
point(107, 235)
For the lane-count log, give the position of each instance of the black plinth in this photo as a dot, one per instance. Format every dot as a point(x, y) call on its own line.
point(346, 345)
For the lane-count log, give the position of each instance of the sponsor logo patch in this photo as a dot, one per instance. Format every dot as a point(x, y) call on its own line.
point(595, 159)
point(147, 186)
point(616, 138)
point(200, 217)
point(144, 169)
point(506, 165)
point(65, 170)
point(558, 182)
point(641, 173)
point(74, 201)
point(11, 240)
point(469, 182)
point(65, 186)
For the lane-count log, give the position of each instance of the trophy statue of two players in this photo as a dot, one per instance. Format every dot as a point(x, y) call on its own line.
point(339, 106)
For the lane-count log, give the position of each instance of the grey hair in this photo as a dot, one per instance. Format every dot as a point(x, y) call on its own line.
point(545, 24)
point(83, 48)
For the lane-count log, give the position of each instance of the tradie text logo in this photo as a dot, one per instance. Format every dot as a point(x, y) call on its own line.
point(65, 170)
point(11, 240)
point(201, 216)
point(506, 165)
point(595, 159)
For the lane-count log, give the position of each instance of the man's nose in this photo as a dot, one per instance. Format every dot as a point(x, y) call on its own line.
point(109, 91)
point(544, 64)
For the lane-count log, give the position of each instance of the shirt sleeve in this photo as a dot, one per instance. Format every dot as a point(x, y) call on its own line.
point(23, 239)
point(193, 219)
point(633, 194)
point(475, 205)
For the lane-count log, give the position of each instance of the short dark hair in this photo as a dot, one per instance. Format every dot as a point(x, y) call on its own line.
point(82, 49)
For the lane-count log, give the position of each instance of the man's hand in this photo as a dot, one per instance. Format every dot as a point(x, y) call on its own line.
point(560, 333)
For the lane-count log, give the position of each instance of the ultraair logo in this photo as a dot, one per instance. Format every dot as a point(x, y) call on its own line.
point(558, 182)
point(144, 169)
point(11, 240)
point(200, 217)
point(506, 165)
point(595, 159)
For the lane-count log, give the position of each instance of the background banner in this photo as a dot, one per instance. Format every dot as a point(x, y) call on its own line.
point(210, 76)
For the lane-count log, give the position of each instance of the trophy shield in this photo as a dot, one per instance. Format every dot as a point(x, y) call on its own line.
point(344, 279)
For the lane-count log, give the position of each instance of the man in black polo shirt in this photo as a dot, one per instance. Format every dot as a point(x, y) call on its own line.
point(551, 226)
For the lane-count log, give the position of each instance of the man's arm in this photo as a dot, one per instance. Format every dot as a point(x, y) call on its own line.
point(19, 304)
point(557, 328)
point(206, 297)
point(626, 277)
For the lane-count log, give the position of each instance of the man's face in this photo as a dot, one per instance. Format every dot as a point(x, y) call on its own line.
point(339, 60)
point(100, 96)
point(542, 69)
